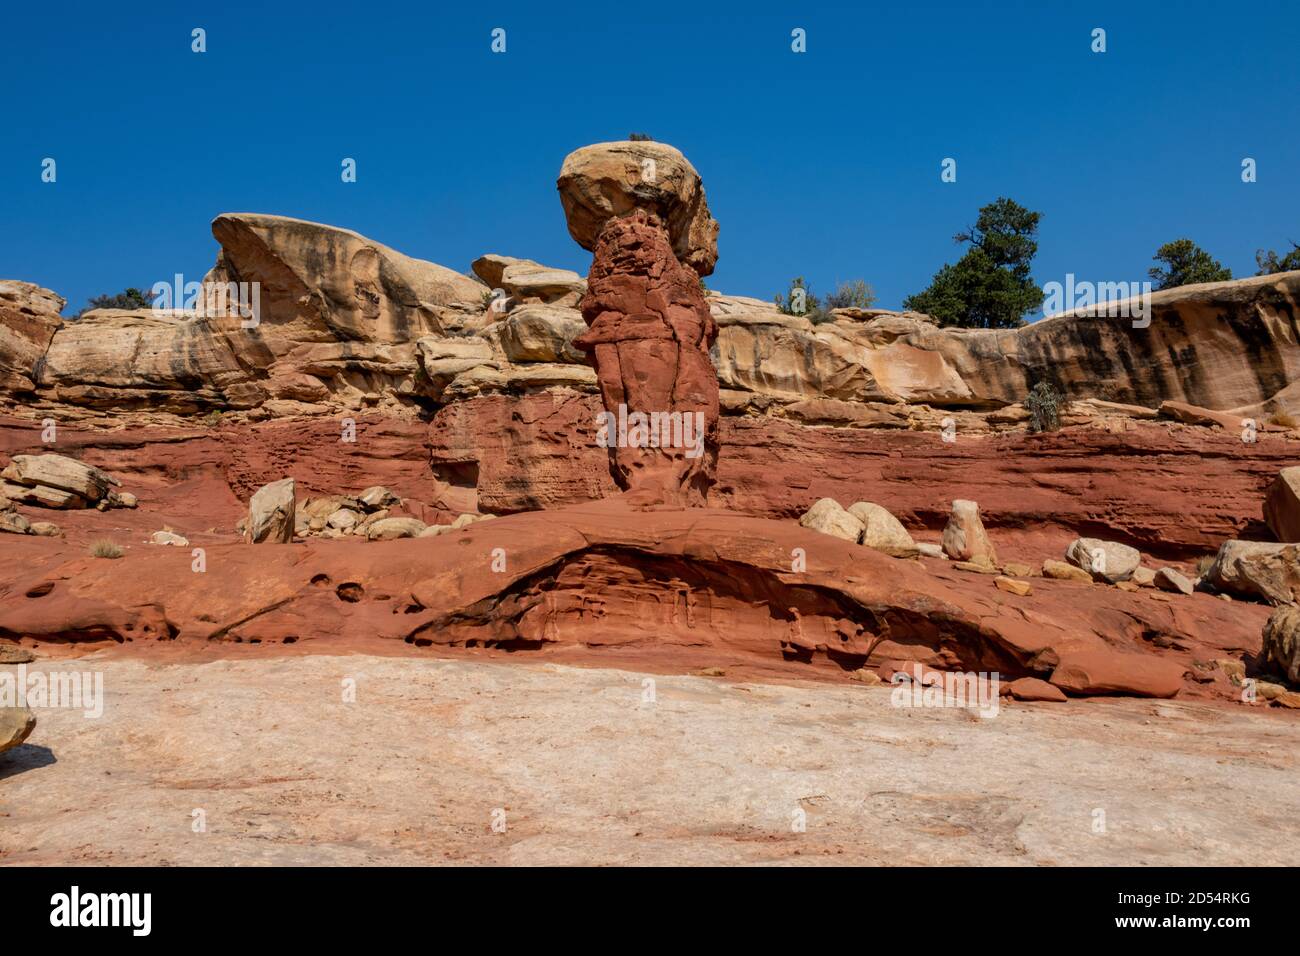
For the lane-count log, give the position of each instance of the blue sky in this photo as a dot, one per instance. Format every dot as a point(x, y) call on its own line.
point(824, 164)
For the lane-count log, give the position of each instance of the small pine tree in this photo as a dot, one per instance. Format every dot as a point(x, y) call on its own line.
point(990, 286)
point(1186, 263)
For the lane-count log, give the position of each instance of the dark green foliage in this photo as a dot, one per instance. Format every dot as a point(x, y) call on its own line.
point(129, 299)
point(1270, 262)
point(811, 306)
point(848, 295)
point(640, 137)
point(1045, 405)
point(1185, 263)
point(990, 286)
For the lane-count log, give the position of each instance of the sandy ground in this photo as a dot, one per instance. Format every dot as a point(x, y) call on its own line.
point(262, 761)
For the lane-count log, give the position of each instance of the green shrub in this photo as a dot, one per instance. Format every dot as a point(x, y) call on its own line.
point(857, 294)
point(1045, 405)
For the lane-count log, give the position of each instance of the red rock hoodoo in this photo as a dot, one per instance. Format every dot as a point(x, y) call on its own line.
point(649, 336)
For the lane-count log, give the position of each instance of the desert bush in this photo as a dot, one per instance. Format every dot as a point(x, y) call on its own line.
point(1285, 419)
point(640, 137)
point(1044, 404)
point(802, 301)
point(857, 294)
point(103, 548)
point(1270, 262)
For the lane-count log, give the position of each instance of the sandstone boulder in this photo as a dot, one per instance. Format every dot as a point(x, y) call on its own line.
point(60, 473)
point(1065, 572)
point(377, 496)
point(1281, 647)
point(1282, 505)
point(443, 359)
point(1257, 569)
point(1169, 579)
point(1106, 561)
point(964, 537)
point(1032, 688)
point(46, 529)
point(271, 514)
point(542, 333)
point(14, 523)
point(16, 723)
point(530, 282)
point(344, 519)
point(387, 529)
point(491, 268)
point(882, 531)
point(41, 495)
point(169, 538)
point(1013, 586)
point(608, 180)
point(828, 517)
point(1099, 672)
point(326, 505)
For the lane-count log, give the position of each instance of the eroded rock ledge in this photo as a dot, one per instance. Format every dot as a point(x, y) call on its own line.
point(676, 585)
point(342, 319)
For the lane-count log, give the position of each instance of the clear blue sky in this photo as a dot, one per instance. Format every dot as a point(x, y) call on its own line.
point(824, 164)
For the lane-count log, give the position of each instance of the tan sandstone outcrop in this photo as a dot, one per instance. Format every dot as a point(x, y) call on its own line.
point(29, 317)
point(608, 180)
point(1239, 336)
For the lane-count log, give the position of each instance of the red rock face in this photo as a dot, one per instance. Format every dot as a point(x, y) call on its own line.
point(1173, 491)
point(649, 332)
point(667, 588)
